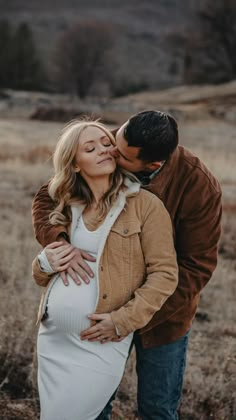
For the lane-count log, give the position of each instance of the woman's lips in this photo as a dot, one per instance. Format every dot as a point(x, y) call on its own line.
point(105, 160)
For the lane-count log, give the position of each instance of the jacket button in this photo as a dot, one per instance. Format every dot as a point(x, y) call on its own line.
point(101, 268)
point(126, 231)
point(104, 296)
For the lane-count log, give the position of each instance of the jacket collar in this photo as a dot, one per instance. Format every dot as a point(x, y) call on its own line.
point(161, 181)
point(132, 187)
point(132, 190)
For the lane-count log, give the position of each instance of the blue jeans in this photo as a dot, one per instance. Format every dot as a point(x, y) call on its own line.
point(160, 373)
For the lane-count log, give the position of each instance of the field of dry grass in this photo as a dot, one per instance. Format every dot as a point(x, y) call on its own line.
point(210, 382)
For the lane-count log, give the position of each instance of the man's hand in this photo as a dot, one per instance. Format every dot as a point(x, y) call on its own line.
point(104, 330)
point(59, 255)
point(77, 268)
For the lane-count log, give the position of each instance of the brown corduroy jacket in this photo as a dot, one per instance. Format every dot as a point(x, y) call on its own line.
point(192, 196)
point(136, 270)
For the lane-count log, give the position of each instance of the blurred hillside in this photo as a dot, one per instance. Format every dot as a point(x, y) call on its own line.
point(183, 102)
point(144, 52)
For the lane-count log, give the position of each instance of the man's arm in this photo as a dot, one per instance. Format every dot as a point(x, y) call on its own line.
point(42, 206)
point(197, 240)
point(46, 233)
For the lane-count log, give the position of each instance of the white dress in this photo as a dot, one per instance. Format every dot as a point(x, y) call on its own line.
point(76, 378)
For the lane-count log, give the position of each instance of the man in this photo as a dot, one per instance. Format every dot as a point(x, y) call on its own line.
point(147, 144)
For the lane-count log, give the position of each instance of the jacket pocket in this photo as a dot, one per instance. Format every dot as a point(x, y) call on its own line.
point(127, 229)
point(125, 255)
point(124, 240)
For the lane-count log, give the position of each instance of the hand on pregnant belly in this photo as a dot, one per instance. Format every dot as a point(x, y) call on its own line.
point(78, 268)
point(69, 261)
point(104, 330)
point(59, 255)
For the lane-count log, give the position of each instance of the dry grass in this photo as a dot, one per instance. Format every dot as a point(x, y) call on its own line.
point(210, 382)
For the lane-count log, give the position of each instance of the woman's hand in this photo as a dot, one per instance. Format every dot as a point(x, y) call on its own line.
point(67, 259)
point(78, 268)
point(104, 330)
point(59, 256)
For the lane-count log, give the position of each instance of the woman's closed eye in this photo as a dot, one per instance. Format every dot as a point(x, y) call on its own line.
point(92, 148)
point(107, 144)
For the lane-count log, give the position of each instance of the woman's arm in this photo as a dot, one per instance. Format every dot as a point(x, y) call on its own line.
point(42, 206)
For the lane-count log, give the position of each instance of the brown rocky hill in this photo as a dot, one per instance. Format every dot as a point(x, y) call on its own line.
point(183, 102)
point(195, 102)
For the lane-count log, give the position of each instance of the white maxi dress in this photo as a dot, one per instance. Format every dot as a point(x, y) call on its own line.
point(76, 378)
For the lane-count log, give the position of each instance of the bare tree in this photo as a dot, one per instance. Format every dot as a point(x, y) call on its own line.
point(210, 50)
point(20, 64)
point(82, 56)
point(5, 43)
point(26, 68)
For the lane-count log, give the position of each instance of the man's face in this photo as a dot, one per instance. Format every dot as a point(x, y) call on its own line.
point(126, 156)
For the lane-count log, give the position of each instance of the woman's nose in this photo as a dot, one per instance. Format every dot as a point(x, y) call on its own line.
point(102, 150)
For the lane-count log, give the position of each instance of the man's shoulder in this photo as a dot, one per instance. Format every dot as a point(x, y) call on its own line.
point(195, 169)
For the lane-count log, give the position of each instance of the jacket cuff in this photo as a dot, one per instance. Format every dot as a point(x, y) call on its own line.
point(41, 278)
point(44, 263)
point(121, 323)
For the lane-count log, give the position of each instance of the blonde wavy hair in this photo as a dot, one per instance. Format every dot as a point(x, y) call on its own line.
point(68, 187)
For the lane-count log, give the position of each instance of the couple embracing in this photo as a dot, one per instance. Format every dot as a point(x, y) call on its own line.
point(129, 225)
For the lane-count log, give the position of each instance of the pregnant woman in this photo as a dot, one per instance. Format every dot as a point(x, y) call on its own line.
point(107, 214)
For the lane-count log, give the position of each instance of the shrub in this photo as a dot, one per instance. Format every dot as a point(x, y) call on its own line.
point(81, 57)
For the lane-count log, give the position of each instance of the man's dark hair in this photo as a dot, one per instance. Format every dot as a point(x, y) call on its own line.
point(155, 132)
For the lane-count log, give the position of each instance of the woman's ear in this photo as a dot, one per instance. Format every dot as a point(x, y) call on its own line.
point(77, 169)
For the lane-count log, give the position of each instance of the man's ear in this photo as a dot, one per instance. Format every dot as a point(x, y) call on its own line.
point(152, 166)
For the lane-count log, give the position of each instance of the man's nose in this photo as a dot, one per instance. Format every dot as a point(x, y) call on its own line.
point(114, 152)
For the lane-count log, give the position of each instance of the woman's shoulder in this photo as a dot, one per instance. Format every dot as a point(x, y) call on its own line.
point(147, 196)
point(146, 199)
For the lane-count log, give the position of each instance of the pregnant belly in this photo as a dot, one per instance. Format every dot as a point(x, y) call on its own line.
point(69, 306)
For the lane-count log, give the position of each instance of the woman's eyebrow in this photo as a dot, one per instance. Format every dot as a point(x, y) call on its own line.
point(89, 141)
